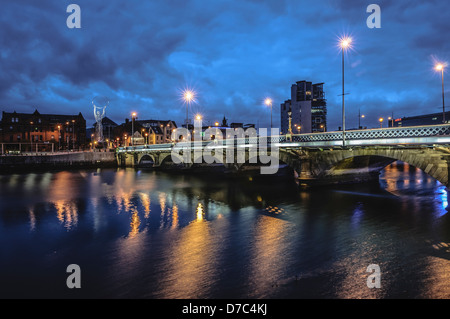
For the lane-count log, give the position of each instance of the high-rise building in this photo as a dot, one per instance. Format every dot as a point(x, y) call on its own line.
point(308, 106)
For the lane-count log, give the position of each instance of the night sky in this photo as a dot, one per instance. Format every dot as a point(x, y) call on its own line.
point(142, 54)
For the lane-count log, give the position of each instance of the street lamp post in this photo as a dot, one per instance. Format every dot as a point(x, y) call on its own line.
point(381, 122)
point(440, 67)
point(345, 43)
point(188, 97)
point(133, 115)
point(31, 140)
point(360, 116)
point(268, 102)
point(73, 135)
point(68, 136)
point(59, 138)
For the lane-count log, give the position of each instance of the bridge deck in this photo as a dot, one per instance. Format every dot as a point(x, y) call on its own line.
point(413, 135)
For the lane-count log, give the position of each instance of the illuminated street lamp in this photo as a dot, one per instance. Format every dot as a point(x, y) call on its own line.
point(268, 102)
point(360, 116)
point(73, 134)
point(391, 120)
point(345, 43)
point(440, 68)
point(67, 138)
point(31, 140)
point(188, 98)
point(381, 122)
point(133, 116)
point(59, 137)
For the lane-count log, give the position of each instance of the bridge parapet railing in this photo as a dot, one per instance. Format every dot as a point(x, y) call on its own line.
point(397, 132)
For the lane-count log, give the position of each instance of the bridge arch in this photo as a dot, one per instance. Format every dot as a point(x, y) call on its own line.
point(146, 160)
point(371, 161)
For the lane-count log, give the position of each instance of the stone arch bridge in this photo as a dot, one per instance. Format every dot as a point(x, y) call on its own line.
point(323, 158)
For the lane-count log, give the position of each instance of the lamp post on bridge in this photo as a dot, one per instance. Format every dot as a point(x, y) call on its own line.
point(345, 43)
point(360, 116)
point(133, 116)
point(268, 102)
point(440, 68)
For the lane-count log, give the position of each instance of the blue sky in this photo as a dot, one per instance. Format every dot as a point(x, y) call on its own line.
point(141, 54)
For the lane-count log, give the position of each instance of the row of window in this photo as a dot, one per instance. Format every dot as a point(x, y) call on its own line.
point(16, 120)
point(52, 129)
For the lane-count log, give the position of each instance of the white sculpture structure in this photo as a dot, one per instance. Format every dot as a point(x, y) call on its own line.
point(100, 103)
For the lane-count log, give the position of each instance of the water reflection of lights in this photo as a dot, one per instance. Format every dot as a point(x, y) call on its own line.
point(269, 254)
point(32, 219)
point(200, 212)
point(145, 200)
point(134, 224)
point(174, 216)
point(67, 213)
point(30, 182)
point(357, 216)
point(442, 200)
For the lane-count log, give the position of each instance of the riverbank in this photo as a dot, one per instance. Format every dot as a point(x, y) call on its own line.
point(11, 163)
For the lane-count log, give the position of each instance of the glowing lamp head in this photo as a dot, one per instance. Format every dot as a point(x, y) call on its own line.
point(188, 96)
point(381, 119)
point(198, 117)
point(439, 67)
point(268, 101)
point(216, 124)
point(345, 43)
point(133, 114)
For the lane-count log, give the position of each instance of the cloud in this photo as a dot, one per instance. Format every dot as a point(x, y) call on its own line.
point(233, 52)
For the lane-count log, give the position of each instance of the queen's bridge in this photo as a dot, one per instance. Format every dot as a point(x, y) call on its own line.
point(318, 158)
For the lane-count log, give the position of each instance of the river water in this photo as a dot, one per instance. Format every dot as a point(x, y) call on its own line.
point(146, 234)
